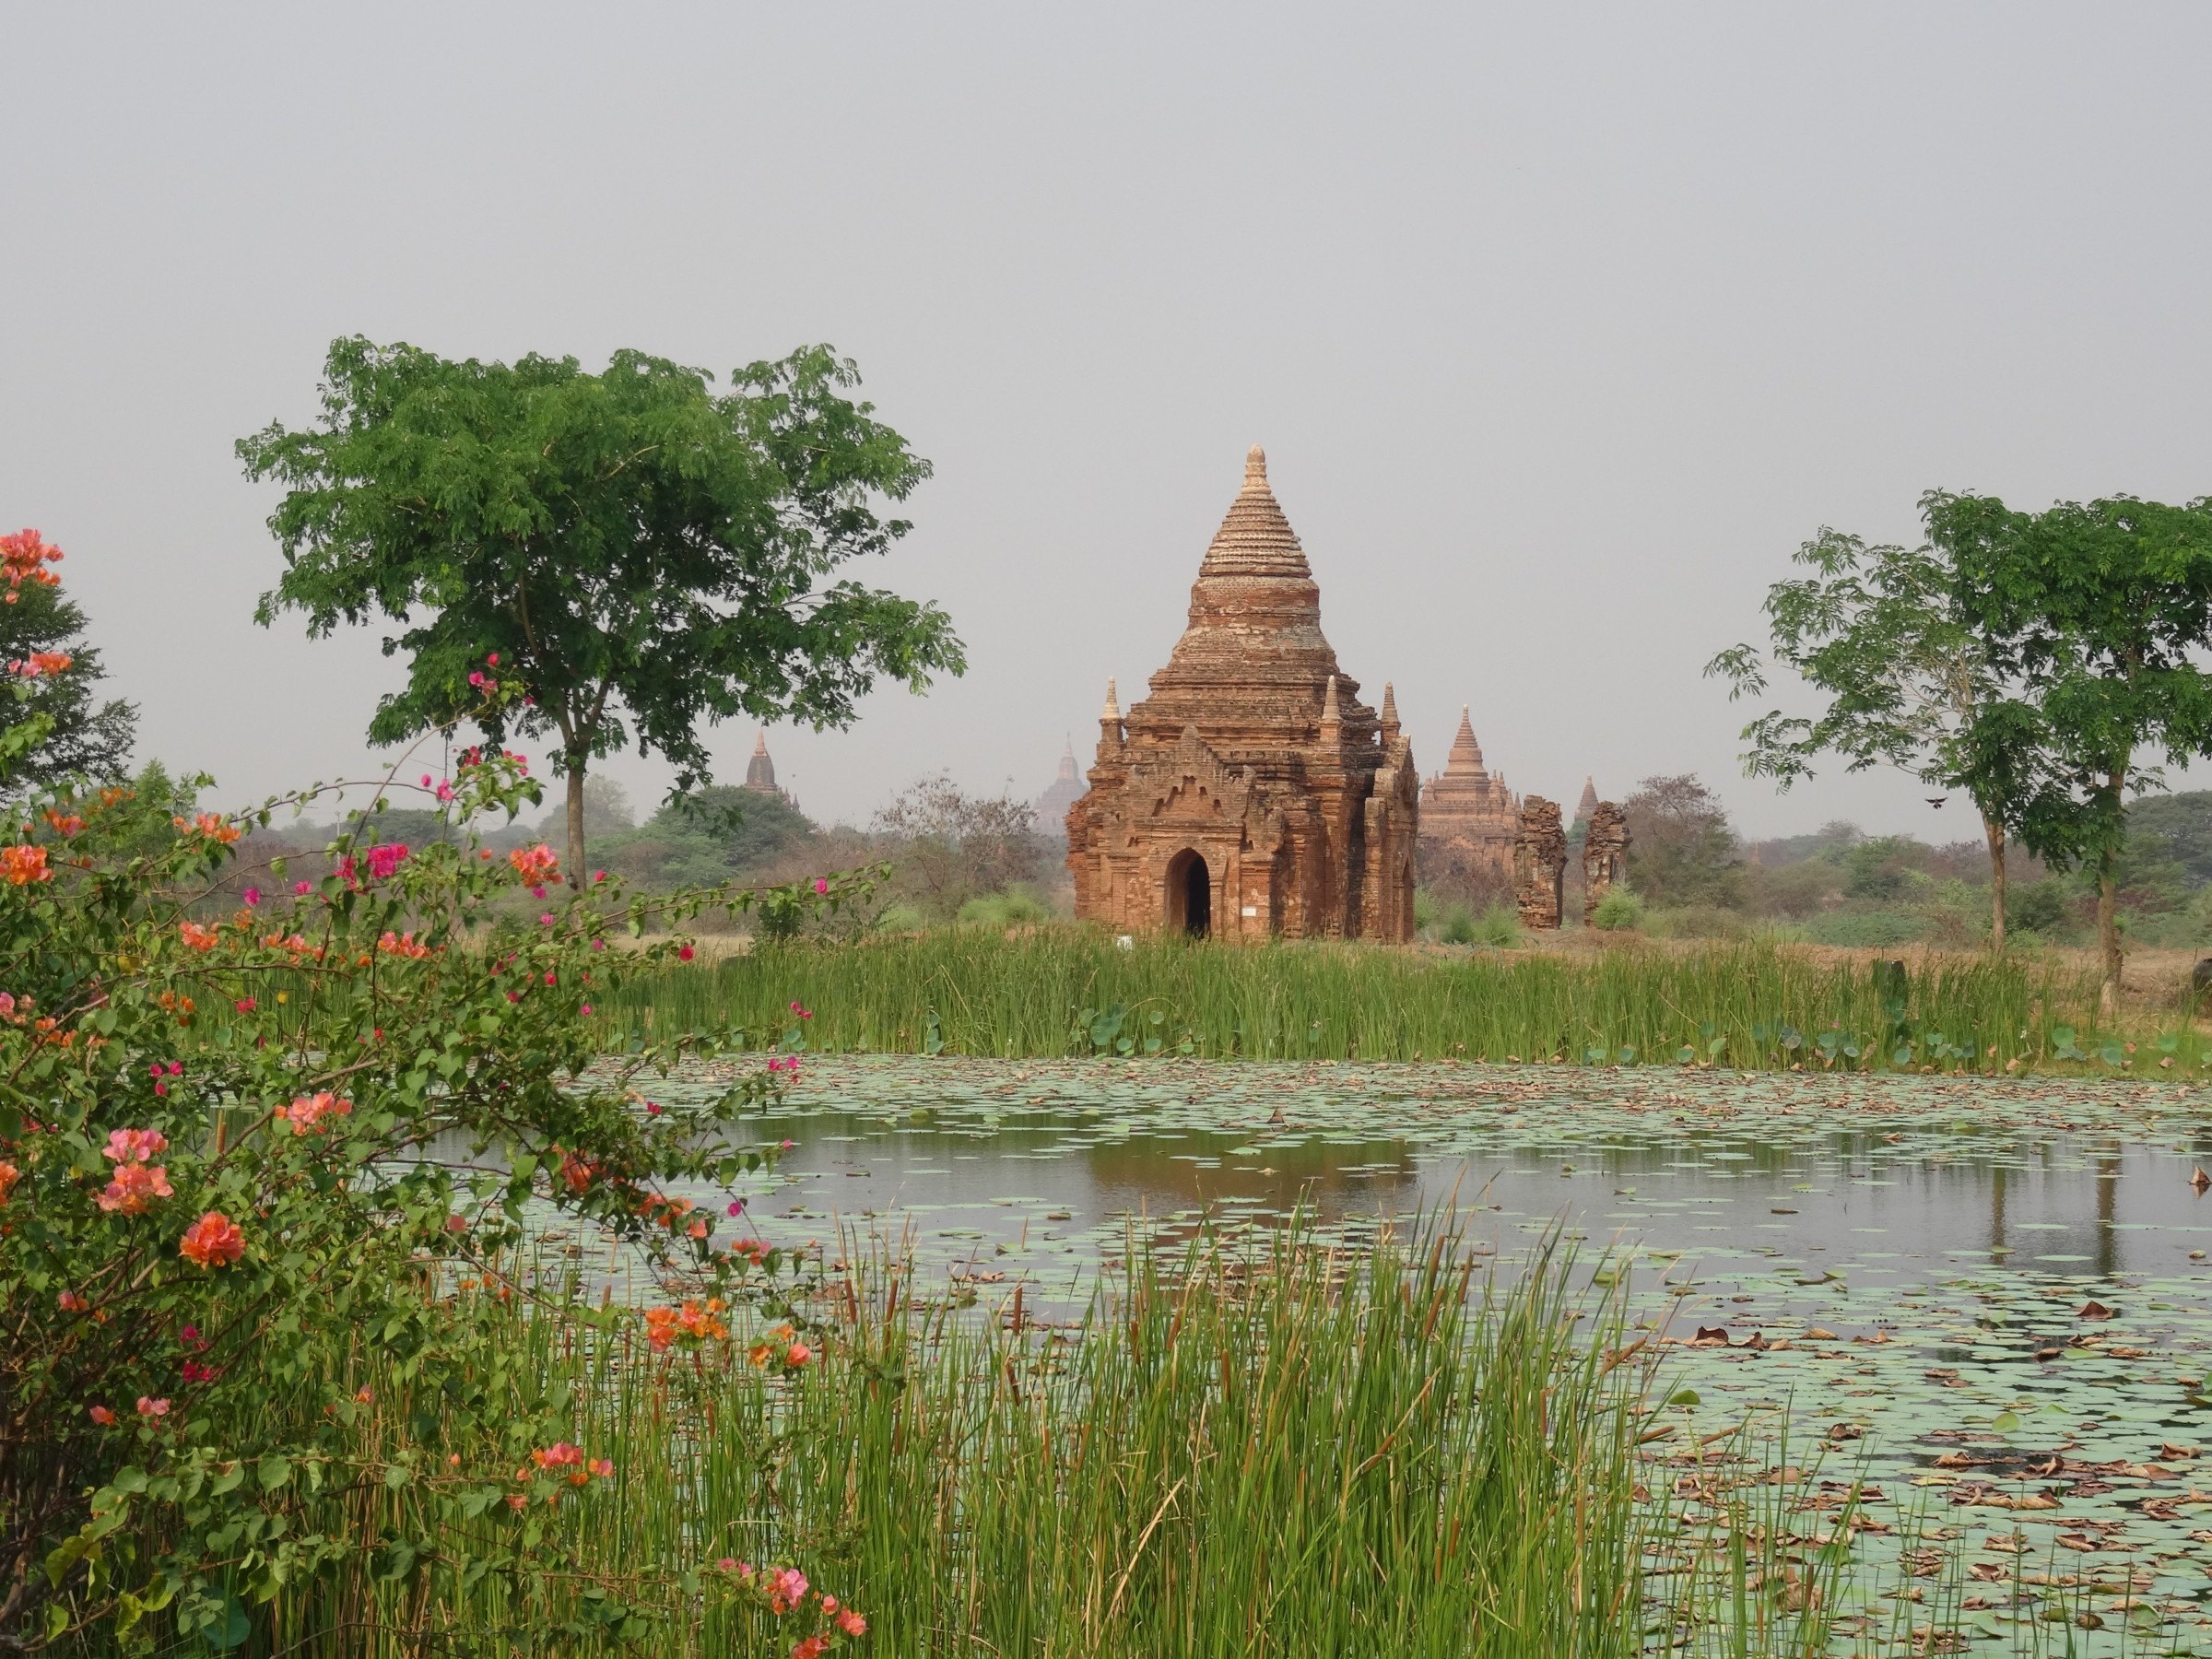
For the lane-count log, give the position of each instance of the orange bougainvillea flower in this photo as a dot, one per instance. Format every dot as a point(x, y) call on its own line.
point(213, 1241)
point(211, 824)
point(307, 1113)
point(535, 864)
point(199, 937)
point(19, 867)
point(23, 556)
point(9, 1175)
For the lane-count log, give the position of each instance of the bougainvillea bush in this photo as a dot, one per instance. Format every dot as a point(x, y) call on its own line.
point(250, 1155)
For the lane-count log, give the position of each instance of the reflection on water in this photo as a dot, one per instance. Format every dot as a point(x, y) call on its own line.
point(1055, 1162)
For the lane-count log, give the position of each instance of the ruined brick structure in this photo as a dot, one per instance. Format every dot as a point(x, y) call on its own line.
point(1605, 854)
point(1469, 821)
point(1540, 864)
point(1251, 793)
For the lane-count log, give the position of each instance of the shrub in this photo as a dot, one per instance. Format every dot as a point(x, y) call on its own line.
point(1459, 925)
point(1498, 926)
point(242, 1154)
point(1013, 909)
point(1619, 911)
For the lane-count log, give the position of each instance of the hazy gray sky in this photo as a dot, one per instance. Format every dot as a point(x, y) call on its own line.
point(1563, 325)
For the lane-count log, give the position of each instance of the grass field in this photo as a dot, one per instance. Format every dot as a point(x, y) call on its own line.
point(1062, 990)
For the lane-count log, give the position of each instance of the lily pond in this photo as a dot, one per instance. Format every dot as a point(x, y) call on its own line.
point(1987, 1300)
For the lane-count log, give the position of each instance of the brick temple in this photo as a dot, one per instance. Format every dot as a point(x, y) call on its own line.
point(1469, 819)
point(1251, 793)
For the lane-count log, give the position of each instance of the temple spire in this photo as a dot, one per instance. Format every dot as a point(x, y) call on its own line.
point(1390, 713)
point(1113, 710)
point(1331, 716)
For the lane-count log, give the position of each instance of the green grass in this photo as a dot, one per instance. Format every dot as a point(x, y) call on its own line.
point(1065, 989)
point(1299, 1453)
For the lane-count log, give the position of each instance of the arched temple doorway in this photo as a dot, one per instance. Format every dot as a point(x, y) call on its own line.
point(1190, 894)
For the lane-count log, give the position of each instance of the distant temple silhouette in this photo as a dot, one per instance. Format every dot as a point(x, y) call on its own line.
point(1066, 791)
point(760, 771)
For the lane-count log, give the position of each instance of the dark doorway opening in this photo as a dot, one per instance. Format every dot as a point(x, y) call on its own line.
point(1190, 895)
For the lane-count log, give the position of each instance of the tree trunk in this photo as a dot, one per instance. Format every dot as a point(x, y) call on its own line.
point(1995, 834)
point(576, 821)
point(2108, 908)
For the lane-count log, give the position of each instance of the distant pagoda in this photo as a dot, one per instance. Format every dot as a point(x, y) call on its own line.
point(1468, 818)
point(1066, 791)
point(760, 771)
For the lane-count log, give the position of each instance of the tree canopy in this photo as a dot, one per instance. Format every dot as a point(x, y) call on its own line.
point(1881, 632)
point(2094, 614)
point(641, 556)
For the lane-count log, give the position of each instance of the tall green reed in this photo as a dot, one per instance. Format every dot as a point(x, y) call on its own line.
point(1059, 990)
point(1291, 1450)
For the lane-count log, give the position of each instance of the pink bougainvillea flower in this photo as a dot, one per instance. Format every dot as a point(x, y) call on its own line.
point(148, 1407)
point(135, 1145)
point(252, 895)
point(134, 1187)
point(246, 1005)
point(604, 1467)
point(101, 1415)
point(797, 1355)
point(851, 1623)
point(213, 1241)
point(69, 1301)
point(301, 888)
point(821, 885)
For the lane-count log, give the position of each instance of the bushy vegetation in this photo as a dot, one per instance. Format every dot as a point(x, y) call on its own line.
point(248, 1160)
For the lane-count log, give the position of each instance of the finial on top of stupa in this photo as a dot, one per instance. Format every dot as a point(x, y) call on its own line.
point(1390, 702)
point(1330, 715)
point(1067, 757)
point(1255, 468)
point(1113, 710)
point(760, 742)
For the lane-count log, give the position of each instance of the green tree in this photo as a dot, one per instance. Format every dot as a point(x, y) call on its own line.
point(637, 555)
point(2176, 828)
point(2094, 612)
point(1681, 850)
point(86, 736)
point(1881, 631)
